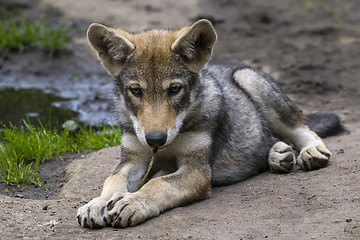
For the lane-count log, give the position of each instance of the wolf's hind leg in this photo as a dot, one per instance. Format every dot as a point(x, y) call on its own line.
point(281, 158)
point(284, 117)
point(313, 152)
point(313, 157)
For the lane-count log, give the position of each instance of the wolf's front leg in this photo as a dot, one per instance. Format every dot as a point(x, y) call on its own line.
point(189, 183)
point(94, 214)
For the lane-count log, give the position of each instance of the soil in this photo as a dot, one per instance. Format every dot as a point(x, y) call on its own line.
point(312, 51)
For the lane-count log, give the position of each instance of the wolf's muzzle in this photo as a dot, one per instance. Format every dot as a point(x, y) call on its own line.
point(156, 140)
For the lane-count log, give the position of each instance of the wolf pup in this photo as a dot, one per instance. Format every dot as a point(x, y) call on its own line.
point(211, 124)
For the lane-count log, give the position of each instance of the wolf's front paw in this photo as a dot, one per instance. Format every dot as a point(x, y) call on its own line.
point(93, 214)
point(281, 158)
point(313, 157)
point(129, 210)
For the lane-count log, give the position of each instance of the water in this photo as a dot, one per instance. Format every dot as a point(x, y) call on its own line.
point(71, 87)
point(17, 105)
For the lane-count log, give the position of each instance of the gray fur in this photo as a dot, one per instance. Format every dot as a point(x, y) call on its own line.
point(241, 137)
point(325, 124)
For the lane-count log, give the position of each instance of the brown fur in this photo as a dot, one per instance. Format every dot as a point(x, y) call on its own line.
point(152, 43)
point(157, 119)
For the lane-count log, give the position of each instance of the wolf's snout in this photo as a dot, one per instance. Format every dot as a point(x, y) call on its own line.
point(155, 140)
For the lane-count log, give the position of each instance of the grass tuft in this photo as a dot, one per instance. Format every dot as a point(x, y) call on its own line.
point(308, 4)
point(24, 34)
point(23, 148)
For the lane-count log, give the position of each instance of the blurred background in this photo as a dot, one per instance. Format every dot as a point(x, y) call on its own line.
point(48, 71)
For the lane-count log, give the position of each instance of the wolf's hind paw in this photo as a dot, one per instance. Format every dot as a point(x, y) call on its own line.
point(281, 158)
point(313, 157)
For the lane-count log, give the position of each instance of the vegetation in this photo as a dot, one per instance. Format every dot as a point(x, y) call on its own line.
point(22, 149)
point(24, 34)
point(308, 4)
point(336, 11)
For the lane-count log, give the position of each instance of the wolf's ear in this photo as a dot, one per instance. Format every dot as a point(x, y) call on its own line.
point(112, 48)
point(195, 44)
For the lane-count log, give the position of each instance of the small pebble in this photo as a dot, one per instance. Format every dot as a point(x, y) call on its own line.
point(52, 223)
point(18, 195)
point(70, 125)
point(340, 151)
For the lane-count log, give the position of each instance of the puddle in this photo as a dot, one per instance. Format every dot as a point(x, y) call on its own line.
point(17, 105)
point(71, 86)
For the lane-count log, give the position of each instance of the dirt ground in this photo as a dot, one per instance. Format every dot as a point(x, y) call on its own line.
point(313, 51)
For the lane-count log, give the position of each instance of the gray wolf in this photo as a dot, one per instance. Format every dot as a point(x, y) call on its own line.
point(211, 124)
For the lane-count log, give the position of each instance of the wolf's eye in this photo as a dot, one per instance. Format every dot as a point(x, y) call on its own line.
point(174, 89)
point(135, 90)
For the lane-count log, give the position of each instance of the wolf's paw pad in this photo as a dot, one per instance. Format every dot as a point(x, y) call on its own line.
point(313, 157)
point(93, 214)
point(281, 158)
point(127, 211)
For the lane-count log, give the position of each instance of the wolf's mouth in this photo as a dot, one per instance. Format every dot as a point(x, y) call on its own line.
point(158, 148)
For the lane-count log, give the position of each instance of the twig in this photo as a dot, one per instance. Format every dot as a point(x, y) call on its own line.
point(148, 170)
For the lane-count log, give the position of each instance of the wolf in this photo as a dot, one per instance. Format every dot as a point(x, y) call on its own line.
point(210, 124)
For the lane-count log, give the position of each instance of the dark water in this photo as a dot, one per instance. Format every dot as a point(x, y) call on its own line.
point(70, 87)
point(32, 104)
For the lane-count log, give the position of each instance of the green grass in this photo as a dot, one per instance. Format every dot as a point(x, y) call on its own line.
point(22, 149)
point(335, 11)
point(308, 4)
point(23, 34)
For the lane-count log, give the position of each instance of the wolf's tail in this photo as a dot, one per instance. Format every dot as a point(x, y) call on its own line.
point(324, 124)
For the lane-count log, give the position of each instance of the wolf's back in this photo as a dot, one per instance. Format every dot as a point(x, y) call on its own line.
point(324, 124)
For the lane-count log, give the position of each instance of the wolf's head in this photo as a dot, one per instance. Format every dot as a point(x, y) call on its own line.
point(156, 75)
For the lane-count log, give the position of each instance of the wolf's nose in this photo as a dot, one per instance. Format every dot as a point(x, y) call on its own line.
point(156, 140)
